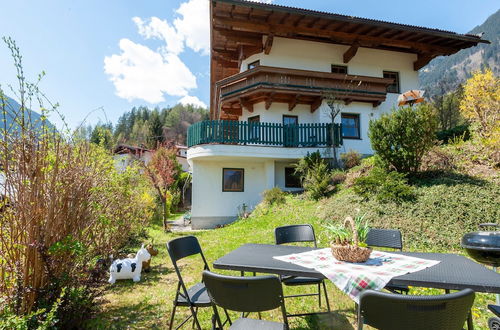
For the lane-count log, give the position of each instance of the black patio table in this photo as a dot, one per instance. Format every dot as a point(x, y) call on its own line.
point(454, 272)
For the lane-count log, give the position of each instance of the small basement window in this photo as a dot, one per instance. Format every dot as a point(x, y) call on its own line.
point(233, 179)
point(253, 65)
point(342, 69)
point(292, 180)
point(350, 126)
point(394, 87)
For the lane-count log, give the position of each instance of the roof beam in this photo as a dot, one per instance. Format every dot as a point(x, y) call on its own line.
point(337, 35)
point(293, 102)
point(268, 44)
point(421, 61)
point(269, 100)
point(349, 54)
point(245, 104)
point(316, 104)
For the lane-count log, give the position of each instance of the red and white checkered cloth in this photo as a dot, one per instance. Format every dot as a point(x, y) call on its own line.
point(354, 278)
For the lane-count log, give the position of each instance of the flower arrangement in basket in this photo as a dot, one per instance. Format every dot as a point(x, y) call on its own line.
point(349, 240)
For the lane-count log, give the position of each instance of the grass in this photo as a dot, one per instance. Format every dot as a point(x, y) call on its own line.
point(147, 305)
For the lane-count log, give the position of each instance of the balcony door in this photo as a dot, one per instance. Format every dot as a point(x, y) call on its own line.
point(254, 128)
point(290, 131)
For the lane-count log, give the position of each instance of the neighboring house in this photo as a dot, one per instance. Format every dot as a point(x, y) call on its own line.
point(181, 153)
point(271, 69)
point(126, 155)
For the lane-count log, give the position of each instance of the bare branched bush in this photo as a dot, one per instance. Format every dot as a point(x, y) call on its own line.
point(64, 206)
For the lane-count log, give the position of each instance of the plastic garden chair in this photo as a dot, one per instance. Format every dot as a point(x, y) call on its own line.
point(246, 295)
point(389, 311)
point(297, 234)
point(195, 296)
point(387, 238)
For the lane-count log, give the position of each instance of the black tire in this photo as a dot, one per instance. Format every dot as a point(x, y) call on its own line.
point(494, 323)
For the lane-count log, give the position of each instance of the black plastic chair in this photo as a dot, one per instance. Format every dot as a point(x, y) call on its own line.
point(196, 296)
point(246, 295)
point(387, 238)
point(389, 311)
point(297, 234)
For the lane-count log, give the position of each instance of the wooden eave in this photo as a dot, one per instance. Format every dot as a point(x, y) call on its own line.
point(240, 29)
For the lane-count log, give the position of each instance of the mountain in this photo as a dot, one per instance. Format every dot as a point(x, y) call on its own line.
point(13, 117)
point(445, 73)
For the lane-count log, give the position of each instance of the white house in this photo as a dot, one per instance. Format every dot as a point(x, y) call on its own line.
point(273, 70)
point(125, 155)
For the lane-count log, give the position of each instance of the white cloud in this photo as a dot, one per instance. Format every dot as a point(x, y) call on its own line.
point(194, 25)
point(141, 73)
point(160, 29)
point(192, 100)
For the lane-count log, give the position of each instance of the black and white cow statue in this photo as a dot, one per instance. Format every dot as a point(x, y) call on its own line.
point(129, 268)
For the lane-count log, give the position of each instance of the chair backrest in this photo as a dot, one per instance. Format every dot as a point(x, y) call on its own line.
point(294, 234)
point(183, 247)
point(394, 311)
point(387, 238)
point(244, 294)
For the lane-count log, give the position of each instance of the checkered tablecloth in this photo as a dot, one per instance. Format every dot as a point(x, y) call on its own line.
point(353, 278)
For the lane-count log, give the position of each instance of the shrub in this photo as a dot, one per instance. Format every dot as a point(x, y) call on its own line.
point(402, 137)
point(274, 196)
point(67, 207)
point(350, 159)
point(307, 163)
point(446, 207)
point(450, 135)
point(317, 181)
point(481, 104)
point(338, 176)
point(438, 159)
point(384, 186)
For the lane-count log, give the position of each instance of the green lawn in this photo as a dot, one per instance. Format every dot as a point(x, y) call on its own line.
point(148, 303)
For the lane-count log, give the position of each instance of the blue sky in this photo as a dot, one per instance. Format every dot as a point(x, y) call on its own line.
point(117, 54)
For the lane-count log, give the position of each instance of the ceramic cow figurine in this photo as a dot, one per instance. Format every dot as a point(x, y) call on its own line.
point(129, 268)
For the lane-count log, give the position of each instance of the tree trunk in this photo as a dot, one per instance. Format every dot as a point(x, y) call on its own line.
point(166, 214)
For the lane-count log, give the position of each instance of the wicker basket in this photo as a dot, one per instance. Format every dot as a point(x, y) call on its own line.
point(351, 253)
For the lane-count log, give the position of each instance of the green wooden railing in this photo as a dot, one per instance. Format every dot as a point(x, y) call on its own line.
point(269, 134)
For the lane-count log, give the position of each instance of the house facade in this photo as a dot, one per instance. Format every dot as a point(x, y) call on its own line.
point(276, 74)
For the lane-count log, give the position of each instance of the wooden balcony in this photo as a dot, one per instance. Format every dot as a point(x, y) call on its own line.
point(266, 134)
point(291, 86)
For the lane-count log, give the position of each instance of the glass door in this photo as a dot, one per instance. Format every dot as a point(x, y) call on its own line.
point(254, 128)
point(290, 130)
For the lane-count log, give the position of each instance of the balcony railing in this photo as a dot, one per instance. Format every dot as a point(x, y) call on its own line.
point(267, 134)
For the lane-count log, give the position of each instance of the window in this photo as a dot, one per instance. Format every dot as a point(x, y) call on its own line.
point(350, 126)
point(292, 180)
point(233, 179)
point(253, 65)
point(339, 69)
point(394, 88)
point(290, 120)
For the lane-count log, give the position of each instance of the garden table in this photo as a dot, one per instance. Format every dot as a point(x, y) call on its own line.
point(453, 272)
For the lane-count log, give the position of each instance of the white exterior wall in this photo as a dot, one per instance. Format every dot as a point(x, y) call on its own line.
point(289, 53)
point(264, 166)
point(211, 205)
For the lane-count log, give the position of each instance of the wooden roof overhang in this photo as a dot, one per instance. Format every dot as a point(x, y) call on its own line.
point(291, 86)
point(241, 28)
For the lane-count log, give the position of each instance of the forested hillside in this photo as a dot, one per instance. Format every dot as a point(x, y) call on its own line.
point(147, 127)
point(445, 73)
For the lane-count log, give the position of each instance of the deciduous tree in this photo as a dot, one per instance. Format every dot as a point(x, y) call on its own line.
point(481, 103)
